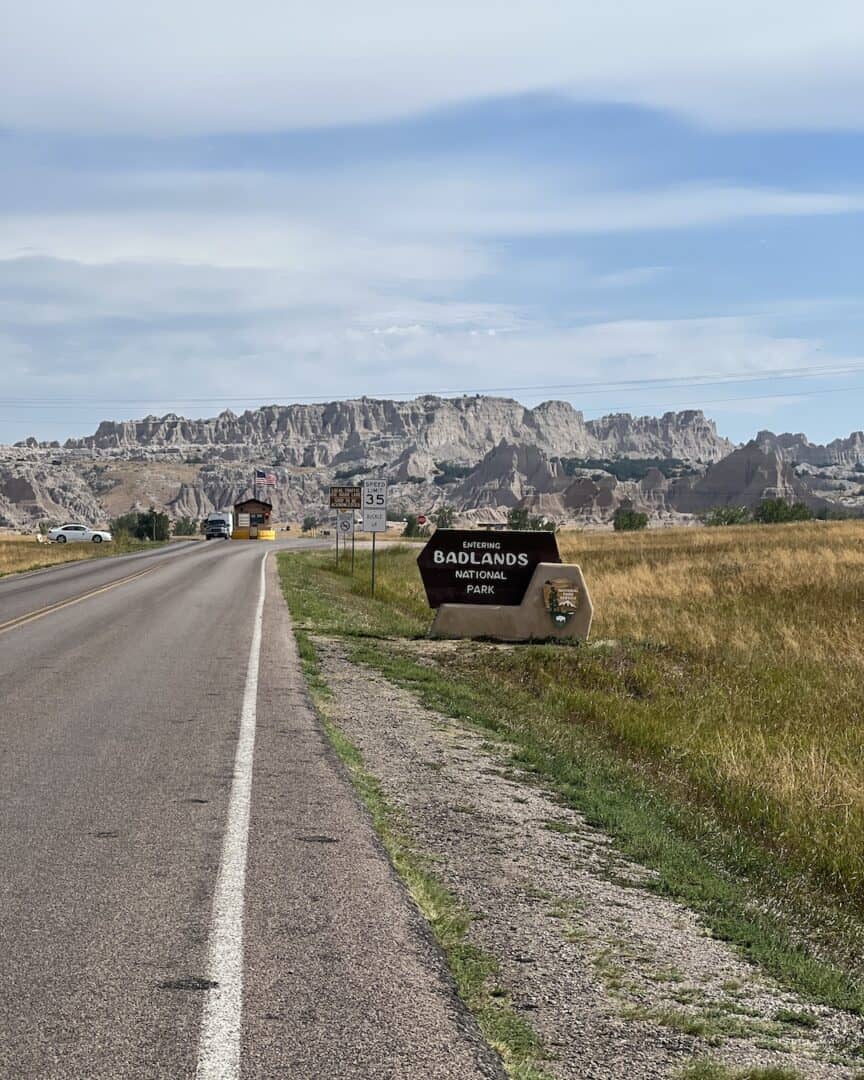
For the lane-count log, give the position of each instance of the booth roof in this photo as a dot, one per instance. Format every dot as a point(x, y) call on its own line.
point(244, 504)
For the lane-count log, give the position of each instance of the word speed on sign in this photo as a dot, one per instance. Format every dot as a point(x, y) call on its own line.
point(375, 506)
point(463, 566)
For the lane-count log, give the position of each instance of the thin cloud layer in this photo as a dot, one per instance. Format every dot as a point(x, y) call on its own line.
point(264, 65)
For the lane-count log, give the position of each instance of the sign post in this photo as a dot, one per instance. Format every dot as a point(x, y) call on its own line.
point(345, 497)
point(374, 514)
point(345, 528)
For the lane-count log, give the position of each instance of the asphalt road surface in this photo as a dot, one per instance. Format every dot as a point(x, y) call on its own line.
point(188, 885)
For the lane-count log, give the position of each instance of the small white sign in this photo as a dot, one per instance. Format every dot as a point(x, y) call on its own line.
point(243, 521)
point(374, 519)
point(375, 506)
point(345, 522)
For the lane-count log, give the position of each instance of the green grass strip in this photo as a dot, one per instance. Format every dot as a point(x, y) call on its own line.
point(710, 1069)
point(714, 871)
point(472, 969)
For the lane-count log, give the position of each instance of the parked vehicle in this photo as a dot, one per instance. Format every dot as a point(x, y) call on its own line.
point(219, 525)
point(74, 532)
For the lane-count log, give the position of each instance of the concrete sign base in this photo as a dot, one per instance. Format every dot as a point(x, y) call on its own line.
point(556, 605)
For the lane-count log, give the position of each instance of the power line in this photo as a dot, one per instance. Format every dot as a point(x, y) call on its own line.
point(654, 406)
point(590, 387)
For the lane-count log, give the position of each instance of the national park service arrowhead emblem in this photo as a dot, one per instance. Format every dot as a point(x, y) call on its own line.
point(561, 599)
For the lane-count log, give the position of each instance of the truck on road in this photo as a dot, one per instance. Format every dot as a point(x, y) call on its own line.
point(218, 525)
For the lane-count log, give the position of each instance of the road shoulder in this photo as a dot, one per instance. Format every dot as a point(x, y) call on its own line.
point(342, 976)
point(616, 980)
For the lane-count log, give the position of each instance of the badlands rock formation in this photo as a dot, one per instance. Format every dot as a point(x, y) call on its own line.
point(480, 455)
point(452, 429)
point(746, 477)
point(799, 450)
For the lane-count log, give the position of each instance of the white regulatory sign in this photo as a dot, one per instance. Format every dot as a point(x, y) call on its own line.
point(374, 520)
point(345, 522)
point(375, 506)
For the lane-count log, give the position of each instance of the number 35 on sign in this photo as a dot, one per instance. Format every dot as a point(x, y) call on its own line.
point(375, 506)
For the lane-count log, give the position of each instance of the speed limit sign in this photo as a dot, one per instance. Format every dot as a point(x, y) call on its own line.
point(375, 506)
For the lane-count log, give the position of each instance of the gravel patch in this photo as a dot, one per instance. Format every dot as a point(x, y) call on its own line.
point(617, 981)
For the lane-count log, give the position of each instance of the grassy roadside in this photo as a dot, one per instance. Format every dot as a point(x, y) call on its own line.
point(473, 970)
point(20, 556)
point(710, 1069)
point(749, 892)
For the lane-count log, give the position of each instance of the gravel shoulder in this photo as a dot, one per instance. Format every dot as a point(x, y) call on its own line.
point(616, 980)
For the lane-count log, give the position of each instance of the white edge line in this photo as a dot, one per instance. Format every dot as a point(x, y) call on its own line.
point(219, 1042)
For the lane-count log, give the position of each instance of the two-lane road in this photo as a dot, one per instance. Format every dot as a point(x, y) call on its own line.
point(22, 595)
point(168, 905)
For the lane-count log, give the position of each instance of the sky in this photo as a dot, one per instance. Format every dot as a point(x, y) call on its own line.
point(633, 207)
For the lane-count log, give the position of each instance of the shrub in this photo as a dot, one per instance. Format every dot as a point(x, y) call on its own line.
point(628, 520)
point(521, 520)
point(413, 527)
point(727, 515)
point(450, 472)
point(185, 526)
point(626, 468)
point(152, 525)
point(517, 518)
point(777, 511)
point(142, 525)
point(348, 474)
point(443, 517)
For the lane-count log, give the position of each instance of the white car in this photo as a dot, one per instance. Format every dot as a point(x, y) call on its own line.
point(67, 533)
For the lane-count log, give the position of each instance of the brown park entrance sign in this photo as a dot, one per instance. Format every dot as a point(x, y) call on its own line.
point(465, 566)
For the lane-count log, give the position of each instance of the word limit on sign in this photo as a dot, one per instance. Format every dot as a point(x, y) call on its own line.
point(375, 506)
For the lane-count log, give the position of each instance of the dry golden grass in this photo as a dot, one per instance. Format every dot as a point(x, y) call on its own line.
point(783, 591)
point(733, 671)
point(23, 553)
point(763, 708)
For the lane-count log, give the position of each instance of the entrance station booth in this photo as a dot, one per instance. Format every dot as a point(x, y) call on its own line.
point(252, 520)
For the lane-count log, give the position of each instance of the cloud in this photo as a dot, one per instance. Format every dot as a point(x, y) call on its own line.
point(410, 224)
point(216, 66)
point(132, 337)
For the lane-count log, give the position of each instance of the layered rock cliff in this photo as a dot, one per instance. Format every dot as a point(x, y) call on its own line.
point(480, 455)
point(745, 478)
point(458, 429)
point(798, 449)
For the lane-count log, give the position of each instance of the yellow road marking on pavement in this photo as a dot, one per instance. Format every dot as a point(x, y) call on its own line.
point(22, 619)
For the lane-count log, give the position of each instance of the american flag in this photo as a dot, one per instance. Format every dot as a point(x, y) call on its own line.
point(265, 478)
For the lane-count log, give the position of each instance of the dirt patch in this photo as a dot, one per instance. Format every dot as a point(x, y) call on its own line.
point(617, 981)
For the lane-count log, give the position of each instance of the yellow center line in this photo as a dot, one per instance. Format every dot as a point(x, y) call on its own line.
point(22, 619)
